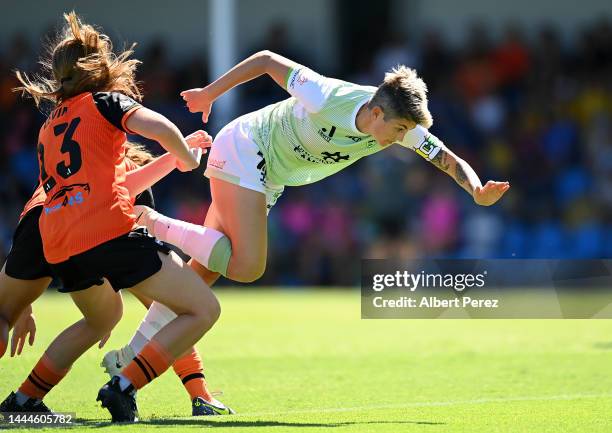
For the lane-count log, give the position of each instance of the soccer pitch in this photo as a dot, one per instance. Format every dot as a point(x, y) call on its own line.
point(304, 361)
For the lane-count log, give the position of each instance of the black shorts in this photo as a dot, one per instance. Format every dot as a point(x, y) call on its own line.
point(124, 261)
point(26, 260)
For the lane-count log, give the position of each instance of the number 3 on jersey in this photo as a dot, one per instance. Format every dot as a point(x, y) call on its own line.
point(69, 146)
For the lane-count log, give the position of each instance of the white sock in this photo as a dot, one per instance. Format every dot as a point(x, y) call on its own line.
point(123, 382)
point(156, 318)
point(207, 246)
point(137, 342)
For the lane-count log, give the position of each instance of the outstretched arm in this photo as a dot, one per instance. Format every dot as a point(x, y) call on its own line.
point(431, 148)
point(138, 180)
point(467, 178)
point(263, 62)
point(155, 126)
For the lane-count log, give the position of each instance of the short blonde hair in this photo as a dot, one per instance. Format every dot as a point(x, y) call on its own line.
point(403, 95)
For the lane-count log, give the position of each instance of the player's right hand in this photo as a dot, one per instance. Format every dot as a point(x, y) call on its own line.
point(199, 140)
point(490, 193)
point(25, 324)
point(198, 100)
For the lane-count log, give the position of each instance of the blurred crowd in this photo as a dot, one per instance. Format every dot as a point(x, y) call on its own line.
point(532, 108)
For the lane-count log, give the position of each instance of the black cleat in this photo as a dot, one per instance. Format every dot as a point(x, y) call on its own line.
point(31, 405)
point(201, 407)
point(120, 404)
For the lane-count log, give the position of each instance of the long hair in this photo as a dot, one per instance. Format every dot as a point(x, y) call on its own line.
point(81, 60)
point(138, 153)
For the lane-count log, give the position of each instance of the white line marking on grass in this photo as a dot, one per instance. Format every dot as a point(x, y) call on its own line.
point(433, 404)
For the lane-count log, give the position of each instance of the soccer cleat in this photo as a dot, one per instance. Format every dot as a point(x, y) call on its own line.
point(115, 360)
point(31, 405)
point(201, 407)
point(120, 404)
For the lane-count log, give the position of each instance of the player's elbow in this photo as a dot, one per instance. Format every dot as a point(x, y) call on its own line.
point(265, 55)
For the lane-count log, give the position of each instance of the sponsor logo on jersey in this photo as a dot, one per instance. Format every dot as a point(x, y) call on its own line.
point(354, 138)
point(70, 195)
point(297, 78)
point(334, 157)
point(261, 166)
point(325, 135)
point(328, 158)
point(216, 163)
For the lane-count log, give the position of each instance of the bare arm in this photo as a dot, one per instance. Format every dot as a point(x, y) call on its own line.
point(467, 178)
point(141, 178)
point(154, 126)
point(458, 169)
point(138, 180)
point(263, 62)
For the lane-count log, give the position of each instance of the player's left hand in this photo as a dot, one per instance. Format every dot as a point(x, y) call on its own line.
point(490, 193)
point(25, 325)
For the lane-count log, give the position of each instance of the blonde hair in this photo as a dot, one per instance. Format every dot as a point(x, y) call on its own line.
point(81, 60)
point(403, 95)
point(138, 153)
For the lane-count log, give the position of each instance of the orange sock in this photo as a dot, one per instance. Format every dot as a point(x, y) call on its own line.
point(191, 372)
point(42, 379)
point(152, 361)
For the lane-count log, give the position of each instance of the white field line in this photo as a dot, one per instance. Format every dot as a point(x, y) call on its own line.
point(432, 404)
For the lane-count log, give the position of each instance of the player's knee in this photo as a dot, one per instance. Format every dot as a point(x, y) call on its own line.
point(247, 269)
point(104, 323)
point(208, 312)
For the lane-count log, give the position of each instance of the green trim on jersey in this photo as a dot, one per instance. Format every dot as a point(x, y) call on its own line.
point(287, 77)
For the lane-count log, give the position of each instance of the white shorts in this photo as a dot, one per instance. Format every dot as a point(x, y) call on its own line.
point(235, 157)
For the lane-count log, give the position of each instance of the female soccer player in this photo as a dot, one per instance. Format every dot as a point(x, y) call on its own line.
point(26, 274)
point(325, 126)
point(87, 224)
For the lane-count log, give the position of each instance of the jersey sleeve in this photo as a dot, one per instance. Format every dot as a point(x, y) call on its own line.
point(422, 142)
point(116, 108)
point(310, 88)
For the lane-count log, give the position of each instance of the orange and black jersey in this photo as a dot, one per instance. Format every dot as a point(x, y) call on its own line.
point(39, 196)
point(82, 172)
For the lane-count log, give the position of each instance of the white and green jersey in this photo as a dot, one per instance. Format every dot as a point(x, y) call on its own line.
point(312, 134)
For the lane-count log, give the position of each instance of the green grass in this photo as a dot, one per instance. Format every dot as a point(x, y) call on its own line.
point(303, 361)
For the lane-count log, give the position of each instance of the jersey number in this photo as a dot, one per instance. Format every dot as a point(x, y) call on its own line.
point(69, 146)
